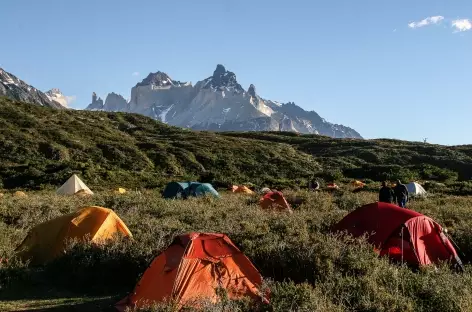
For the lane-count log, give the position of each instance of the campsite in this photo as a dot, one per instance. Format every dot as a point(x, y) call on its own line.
point(235, 156)
point(84, 214)
point(305, 266)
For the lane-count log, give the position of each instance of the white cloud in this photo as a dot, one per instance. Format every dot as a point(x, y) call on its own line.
point(462, 24)
point(70, 99)
point(427, 21)
point(135, 74)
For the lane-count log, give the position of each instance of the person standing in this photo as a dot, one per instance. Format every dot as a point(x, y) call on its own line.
point(401, 194)
point(386, 194)
point(313, 185)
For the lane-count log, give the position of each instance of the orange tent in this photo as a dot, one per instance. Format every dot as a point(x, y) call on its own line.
point(192, 268)
point(332, 186)
point(19, 194)
point(48, 240)
point(241, 189)
point(274, 200)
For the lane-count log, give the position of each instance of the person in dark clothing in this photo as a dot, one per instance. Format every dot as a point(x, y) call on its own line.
point(313, 185)
point(386, 194)
point(401, 194)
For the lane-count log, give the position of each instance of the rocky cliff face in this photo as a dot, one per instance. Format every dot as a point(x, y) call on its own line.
point(97, 103)
point(218, 103)
point(17, 89)
point(115, 103)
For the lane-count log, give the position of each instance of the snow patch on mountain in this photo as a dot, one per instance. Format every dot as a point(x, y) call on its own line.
point(163, 115)
point(56, 95)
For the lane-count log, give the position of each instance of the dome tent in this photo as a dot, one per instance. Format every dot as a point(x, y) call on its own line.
point(19, 194)
point(402, 234)
point(48, 240)
point(188, 189)
point(192, 268)
point(241, 189)
point(275, 200)
point(415, 190)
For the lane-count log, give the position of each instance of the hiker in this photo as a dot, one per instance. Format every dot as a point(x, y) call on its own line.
point(266, 190)
point(313, 185)
point(401, 194)
point(386, 194)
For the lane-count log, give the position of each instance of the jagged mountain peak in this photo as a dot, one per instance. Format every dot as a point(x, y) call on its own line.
point(116, 103)
point(15, 88)
point(113, 94)
point(54, 91)
point(160, 79)
point(220, 70)
point(223, 79)
point(217, 103)
point(97, 103)
point(56, 95)
point(252, 90)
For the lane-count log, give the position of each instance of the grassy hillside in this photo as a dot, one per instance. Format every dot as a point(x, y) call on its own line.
point(44, 146)
point(41, 146)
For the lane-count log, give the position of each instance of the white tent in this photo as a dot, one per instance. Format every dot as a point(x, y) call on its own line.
point(415, 190)
point(72, 186)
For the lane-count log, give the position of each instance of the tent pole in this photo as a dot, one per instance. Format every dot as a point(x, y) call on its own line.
point(455, 245)
point(402, 243)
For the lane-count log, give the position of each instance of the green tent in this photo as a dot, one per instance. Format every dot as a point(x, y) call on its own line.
point(186, 189)
point(176, 190)
point(202, 189)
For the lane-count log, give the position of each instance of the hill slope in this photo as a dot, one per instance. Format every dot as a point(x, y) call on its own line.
point(45, 146)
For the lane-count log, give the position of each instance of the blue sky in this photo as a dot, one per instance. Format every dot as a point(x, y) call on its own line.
point(395, 69)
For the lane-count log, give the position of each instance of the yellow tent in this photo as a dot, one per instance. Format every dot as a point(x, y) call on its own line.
point(241, 189)
point(48, 240)
point(20, 194)
point(358, 183)
point(82, 193)
point(120, 190)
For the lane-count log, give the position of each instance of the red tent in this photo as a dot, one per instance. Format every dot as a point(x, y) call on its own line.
point(275, 200)
point(402, 234)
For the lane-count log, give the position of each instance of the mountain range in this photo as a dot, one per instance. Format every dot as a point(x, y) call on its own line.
point(15, 88)
point(217, 103)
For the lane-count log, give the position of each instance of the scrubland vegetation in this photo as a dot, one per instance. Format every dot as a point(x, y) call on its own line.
point(306, 267)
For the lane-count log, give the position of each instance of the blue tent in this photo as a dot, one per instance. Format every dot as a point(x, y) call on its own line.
point(202, 189)
point(186, 189)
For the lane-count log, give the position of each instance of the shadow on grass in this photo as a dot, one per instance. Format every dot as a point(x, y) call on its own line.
point(41, 297)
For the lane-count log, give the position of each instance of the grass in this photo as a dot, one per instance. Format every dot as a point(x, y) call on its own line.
point(306, 267)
